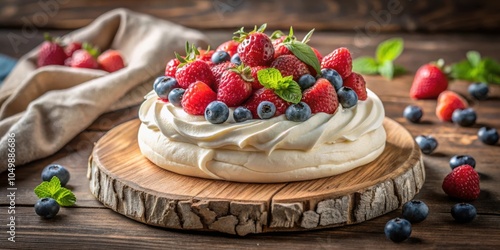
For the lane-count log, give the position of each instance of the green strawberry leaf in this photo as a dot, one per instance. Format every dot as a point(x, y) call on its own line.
point(52, 189)
point(284, 87)
point(304, 53)
point(389, 50)
point(386, 69)
point(365, 65)
point(474, 58)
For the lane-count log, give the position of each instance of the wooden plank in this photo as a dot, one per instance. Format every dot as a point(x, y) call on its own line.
point(360, 16)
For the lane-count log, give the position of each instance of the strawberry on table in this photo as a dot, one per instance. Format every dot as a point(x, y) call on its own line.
point(197, 97)
point(85, 57)
point(289, 65)
point(171, 67)
point(191, 69)
point(462, 183)
point(428, 83)
point(72, 47)
point(231, 47)
point(111, 61)
point(447, 102)
point(255, 48)
point(340, 60)
point(51, 52)
point(321, 97)
point(356, 82)
point(235, 86)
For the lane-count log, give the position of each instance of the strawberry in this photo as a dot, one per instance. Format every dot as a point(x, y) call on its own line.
point(280, 48)
point(339, 60)
point(447, 102)
point(265, 94)
point(255, 49)
point(356, 82)
point(462, 183)
point(197, 97)
point(71, 48)
point(321, 97)
point(235, 86)
point(428, 83)
point(191, 69)
point(83, 59)
point(51, 53)
point(205, 55)
point(255, 83)
point(218, 70)
point(172, 67)
point(289, 65)
point(111, 61)
point(231, 47)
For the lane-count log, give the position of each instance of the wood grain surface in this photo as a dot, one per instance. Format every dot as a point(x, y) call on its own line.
point(90, 225)
point(340, 15)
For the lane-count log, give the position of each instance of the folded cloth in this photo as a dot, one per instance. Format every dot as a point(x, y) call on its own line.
point(45, 108)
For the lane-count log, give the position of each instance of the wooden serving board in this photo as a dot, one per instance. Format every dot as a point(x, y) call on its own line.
point(125, 181)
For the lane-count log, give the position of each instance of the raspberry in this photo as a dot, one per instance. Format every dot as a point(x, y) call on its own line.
point(197, 97)
point(462, 183)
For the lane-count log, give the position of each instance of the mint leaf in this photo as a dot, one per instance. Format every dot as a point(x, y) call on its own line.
point(284, 87)
point(389, 50)
point(269, 77)
point(462, 70)
point(474, 58)
point(399, 70)
point(365, 65)
point(387, 70)
point(304, 53)
point(292, 93)
point(52, 189)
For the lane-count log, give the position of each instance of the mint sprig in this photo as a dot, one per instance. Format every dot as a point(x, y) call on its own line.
point(285, 87)
point(383, 63)
point(476, 69)
point(52, 189)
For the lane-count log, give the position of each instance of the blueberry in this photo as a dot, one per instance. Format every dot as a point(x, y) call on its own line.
point(413, 113)
point(235, 59)
point(220, 57)
point(463, 212)
point(333, 77)
point(459, 160)
point(56, 170)
point(415, 211)
point(464, 117)
point(266, 110)
point(46, 208)
point(488, 135)
point(298, 112)
point(242, 114)
point(479, 90)
point(347, 97)
point(175, 96)
point(306, 81)
point(216, 112)
point(426, 143)
point(163, 85)
point(397, 229)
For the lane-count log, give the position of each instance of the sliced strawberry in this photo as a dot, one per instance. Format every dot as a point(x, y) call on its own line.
point(339, 60)
point(265, 94)
point(289, 65)
point(321, 97)
point(356, 82)
point(447, 102)
point(197, 97)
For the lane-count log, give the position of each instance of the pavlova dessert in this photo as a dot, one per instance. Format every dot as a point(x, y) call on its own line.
point(261, 109)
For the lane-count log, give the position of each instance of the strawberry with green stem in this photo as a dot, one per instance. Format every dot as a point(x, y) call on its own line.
point(429, 81)
point(235, 85)
point(191, 69)
point(255, 48)
point(51, 52)
point(85, 57)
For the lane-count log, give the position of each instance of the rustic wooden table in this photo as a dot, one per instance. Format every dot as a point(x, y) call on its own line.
point(91, 225)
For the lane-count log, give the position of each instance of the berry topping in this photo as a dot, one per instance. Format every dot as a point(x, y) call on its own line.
point(175, 96)
point(220, 57)
point(356, 82)
point(56, 170)
point(339, 60)
point(447, 102)
point(231, 47)
point(415, 211)
point(242, 114)
point(321, 97)
point(413, 113)
point(216, 112)
point(265, 94)
point(397, 230)
point(332, 76)
point(488, 135)
point(197, 97)
point(236, 59)
point(191, 69)
point(464, 117)
point(306, 81)
point(479, 90)
point(347, 97)
point(459, 160)
point(163, 85)
point(266, 110)
point(427, 144)
point(463, 212)
point(462, 183)
point(428, 83)
point(171, 68)
point(298, 112)
point(235, 86)
point(46, 208)
point(255, 83)
point(289, 65)
point(218, 70)
point(255, 49)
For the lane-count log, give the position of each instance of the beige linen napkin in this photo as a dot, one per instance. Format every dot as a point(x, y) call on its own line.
point(45, 108)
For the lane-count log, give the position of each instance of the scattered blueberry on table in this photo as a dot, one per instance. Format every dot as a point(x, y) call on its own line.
point(56, 170)
point(397, 229)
